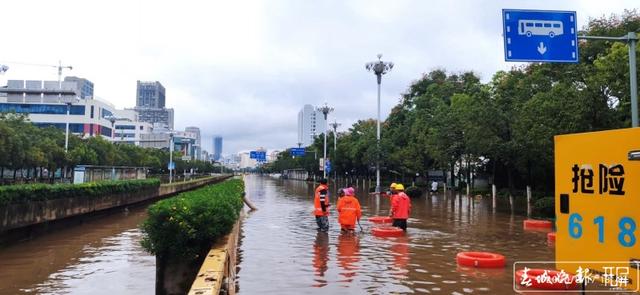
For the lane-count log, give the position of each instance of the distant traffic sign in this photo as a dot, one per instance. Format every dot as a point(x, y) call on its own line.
point(171, 166)
point(297, 152)
point(258, 156)
point(540, 35)
point(327, 166)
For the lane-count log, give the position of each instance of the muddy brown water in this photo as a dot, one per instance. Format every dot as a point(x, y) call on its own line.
point(282, 253)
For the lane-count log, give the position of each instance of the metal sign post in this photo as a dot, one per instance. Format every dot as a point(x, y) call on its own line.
point(631, 38)
point(552, 36)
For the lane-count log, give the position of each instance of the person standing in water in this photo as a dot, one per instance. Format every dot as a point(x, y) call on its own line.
point(321, 205)
point(349, 211)
point(400, 208)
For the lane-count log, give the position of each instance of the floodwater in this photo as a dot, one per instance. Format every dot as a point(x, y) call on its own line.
point(100, 256)
point(281, 251)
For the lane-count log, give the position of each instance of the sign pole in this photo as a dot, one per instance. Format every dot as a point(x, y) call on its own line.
point(633, 38)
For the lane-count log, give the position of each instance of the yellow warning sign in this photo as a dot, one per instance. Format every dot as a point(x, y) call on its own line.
point(597, 177)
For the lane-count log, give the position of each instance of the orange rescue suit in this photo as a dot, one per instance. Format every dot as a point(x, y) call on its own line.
point(321, 196)
point(400, 206)
point(348, 211)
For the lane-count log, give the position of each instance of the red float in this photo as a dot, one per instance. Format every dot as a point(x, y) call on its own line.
point(381, 219)
point(387, 231)
point(533, 223)
point(551, 237)
point(556, 280)
point(480, 259)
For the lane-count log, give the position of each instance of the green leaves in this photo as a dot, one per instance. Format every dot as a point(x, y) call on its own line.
point(24, 193)
point(190, 222)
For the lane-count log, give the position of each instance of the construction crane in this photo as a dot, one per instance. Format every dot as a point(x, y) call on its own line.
point(60, 67)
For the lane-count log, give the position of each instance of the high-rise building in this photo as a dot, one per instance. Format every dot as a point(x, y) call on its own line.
point(150, 104)
point(150, 94)
point(44, 104)
point(311, 123)
point(217, 148)
point(198, 145)
point(84, 87)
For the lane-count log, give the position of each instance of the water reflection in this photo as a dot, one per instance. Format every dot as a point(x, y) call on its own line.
point(281, 240)
point(101, 256)
point(348, 256)
point(320, 258)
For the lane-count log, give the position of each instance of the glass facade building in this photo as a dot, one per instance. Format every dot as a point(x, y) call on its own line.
point(46, 109)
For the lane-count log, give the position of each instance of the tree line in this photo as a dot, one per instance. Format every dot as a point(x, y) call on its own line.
point(502, 129)
point(27, 151)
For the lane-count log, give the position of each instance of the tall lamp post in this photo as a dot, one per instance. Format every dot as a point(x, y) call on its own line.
point(325, 111)
point(379, 68)
point(171, 157)
point(335, 126)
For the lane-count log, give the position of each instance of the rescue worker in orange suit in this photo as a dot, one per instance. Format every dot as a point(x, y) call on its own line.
point(321, 205)
point(400, 208)
point(348, 210)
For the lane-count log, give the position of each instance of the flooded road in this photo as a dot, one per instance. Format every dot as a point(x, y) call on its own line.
point(100, 256)
point(282, 253)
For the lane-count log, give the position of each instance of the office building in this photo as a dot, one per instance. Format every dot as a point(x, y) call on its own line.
point(150, 104)
point(198, 145)
point(150, 95)
point(83, 87)
point(44, 102)
point(184, 142)
point(217, 148)
point(311, 123)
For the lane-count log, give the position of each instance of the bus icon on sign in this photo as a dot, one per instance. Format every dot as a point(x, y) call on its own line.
point(530, 28)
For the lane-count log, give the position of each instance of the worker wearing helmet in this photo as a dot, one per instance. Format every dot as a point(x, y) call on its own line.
point(321, 205)
point(400, 207)
point(392, 190)
point(348, 210)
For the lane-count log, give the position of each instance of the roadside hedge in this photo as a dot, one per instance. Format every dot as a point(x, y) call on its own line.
point(187, 224)
point(23, 193)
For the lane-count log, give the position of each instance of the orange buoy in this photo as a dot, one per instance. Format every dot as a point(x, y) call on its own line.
point(381, 219)
point(557, 280)
point(480, 259)
point(551, 237)
point(533, 223)
point(387, 231)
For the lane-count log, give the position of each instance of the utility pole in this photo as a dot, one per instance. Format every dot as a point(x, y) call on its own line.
point(325, 111)
point(379, 68)
point(335, 126)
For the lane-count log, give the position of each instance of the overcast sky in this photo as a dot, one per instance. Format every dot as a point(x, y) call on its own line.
point(243, 69)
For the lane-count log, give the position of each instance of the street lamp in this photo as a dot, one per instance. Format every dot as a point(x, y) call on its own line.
point(68, 101)
point(335, 126)
point(171, 157)
point(325, 111)
point(113, 120)
point(379, 68)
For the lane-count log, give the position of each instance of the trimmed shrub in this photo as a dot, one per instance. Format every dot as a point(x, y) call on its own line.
point(413, 192)
point(23, 193)
point(187, 224)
